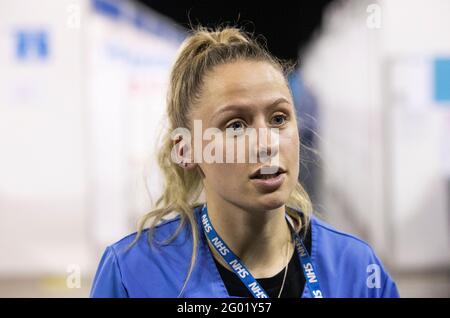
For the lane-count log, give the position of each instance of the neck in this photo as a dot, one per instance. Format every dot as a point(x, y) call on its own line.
point(259, 238)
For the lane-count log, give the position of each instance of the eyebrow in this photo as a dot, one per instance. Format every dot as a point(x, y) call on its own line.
point(235, 107)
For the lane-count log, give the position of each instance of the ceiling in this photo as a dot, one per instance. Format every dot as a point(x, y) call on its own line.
point(287, 26)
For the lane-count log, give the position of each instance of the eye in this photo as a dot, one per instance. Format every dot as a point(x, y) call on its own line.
point(236, 125)
point(279, 119)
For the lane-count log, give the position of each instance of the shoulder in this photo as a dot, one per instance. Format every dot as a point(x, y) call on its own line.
point(162, 231)
point(350, 263)
point(170, 237)
point(329, 236)
point(135, 259)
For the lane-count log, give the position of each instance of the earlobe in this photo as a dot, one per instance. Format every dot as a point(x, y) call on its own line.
point(181, 152)
point(190, 166)
point(184, 155)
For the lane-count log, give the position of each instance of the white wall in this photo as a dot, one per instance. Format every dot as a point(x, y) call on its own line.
point(77, 130)
point(43, 158)
point(127, 79)
point(382, 133)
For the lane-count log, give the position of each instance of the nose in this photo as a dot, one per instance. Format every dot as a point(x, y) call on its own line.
point(268, 145)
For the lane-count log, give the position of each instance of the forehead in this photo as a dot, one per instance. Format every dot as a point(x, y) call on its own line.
point(242, 82)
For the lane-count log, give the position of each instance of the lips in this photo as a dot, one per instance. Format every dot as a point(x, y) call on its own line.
point(270, 183)
point(267, 172)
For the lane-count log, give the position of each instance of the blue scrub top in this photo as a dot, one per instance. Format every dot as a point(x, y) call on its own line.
point(345, 265)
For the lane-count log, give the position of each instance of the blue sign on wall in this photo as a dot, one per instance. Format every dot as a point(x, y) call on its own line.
point(442, 79)
point(32, 44)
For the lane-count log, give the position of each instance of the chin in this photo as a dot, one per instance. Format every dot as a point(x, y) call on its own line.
point(271, 201)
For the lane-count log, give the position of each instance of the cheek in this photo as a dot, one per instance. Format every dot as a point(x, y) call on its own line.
point(290, 154)
point(290, 144)
point(225, 179)
point(223, 174)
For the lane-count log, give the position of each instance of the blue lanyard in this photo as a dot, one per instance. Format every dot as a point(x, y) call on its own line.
point(244, 274)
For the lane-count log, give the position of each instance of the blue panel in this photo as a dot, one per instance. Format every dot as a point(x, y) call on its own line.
point(108, 8)
point(442, 80)
point(32, 44)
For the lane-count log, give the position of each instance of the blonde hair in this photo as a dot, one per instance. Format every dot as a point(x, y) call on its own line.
point(201, 52)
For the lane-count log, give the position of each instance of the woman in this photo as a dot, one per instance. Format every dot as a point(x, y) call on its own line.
point(255, 235)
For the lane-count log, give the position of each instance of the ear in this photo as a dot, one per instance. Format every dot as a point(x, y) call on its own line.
point(182, 154)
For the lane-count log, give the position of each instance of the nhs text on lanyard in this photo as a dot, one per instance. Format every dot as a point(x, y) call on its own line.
point(244, 274)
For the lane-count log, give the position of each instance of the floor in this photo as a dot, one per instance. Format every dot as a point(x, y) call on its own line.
point(409, 284)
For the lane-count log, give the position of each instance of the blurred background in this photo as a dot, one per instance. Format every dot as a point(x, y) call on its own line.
point(82, 101)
